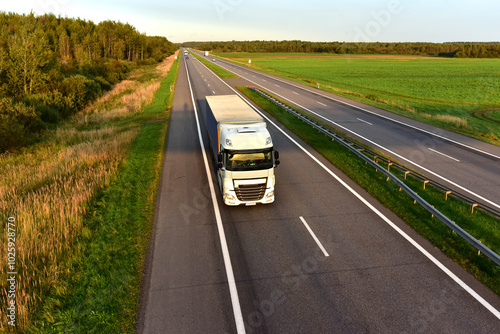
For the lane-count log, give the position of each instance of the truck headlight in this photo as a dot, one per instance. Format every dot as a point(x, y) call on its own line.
point(270, 181)
point(270, 194)
point(228, 185)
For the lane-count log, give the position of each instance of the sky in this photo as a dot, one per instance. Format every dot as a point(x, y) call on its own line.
point(311, 20)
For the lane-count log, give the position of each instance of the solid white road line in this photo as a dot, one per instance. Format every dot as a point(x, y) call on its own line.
point(238, 317)
point(361, 120)
point(430, 149)
point(441, 266)
point(314, 236)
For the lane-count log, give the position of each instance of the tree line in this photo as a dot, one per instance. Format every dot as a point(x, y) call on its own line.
point(464, 50)
point(51, 66)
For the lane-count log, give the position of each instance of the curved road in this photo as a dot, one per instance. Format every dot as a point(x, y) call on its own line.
point(372, 274)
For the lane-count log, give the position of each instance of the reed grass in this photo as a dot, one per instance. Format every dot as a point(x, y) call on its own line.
point(48, 188)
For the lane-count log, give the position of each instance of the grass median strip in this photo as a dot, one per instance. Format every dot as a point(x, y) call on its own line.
point(479, 224)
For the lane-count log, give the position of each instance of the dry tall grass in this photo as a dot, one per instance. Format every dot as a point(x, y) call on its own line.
point(459, 122)
point(47, 188)
point(49, 201)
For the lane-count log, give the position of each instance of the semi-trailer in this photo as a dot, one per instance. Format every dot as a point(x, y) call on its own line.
point(242, 151)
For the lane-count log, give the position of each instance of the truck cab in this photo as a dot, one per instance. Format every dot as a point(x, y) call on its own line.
point(246, 165)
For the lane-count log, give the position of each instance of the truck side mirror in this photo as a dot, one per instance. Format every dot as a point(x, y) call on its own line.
point(219, 160)
point(276, 157)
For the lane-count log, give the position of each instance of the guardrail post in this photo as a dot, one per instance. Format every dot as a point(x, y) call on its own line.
point(479, 252)
point(406, 173)
point(425, 182)
point(389, 166)
point(446, 195)
point(472, 207)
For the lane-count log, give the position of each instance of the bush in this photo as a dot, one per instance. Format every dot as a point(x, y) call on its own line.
point(81, 90)
point(147, 61)
point(48, 114)
point(53, 100)
point(105, 85)
point(18, 123)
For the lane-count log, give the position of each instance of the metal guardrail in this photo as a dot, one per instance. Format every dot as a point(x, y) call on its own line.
point(362, 152)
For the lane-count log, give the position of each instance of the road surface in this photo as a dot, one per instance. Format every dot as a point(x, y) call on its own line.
point(324, 258)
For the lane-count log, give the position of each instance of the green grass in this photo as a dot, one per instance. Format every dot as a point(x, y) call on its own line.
point(456, 94)
point(479, 224)
point(216, 69)
point(99, 291)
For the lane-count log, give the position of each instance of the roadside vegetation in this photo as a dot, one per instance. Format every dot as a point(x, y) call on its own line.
point(52, 67)
point(83, 198)
point(460, 95)
point(479, 224)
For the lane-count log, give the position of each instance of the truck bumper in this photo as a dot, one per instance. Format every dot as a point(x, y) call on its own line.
point(231, 199)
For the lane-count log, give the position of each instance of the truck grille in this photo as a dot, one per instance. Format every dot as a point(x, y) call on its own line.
point(251, 192)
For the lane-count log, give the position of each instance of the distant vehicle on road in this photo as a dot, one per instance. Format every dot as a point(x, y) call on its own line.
point(213, 59)
point(206, 53)
point(242, 150)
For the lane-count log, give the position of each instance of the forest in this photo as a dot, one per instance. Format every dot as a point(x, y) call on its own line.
point(459, 50)
point(51, 67)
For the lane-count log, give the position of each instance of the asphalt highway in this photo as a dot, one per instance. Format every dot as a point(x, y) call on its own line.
point(325, 257)
point(464, 164)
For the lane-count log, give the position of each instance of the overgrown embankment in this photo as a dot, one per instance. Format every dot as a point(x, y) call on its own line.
point(83, 200)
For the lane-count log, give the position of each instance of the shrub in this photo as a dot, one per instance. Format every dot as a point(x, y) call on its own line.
point(53, 100)
point(105, 85)
point(48, 114)
point(18, 123)
point(81, 90)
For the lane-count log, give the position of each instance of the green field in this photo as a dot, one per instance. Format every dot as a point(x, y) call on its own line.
point(457, 94)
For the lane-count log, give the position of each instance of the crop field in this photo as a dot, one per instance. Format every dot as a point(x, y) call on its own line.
point(462, 95)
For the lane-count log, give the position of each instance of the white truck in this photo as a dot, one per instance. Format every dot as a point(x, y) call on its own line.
point(206, 53)
point(242, 150)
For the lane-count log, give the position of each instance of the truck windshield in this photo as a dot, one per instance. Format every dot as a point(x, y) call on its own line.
point(251, 160)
